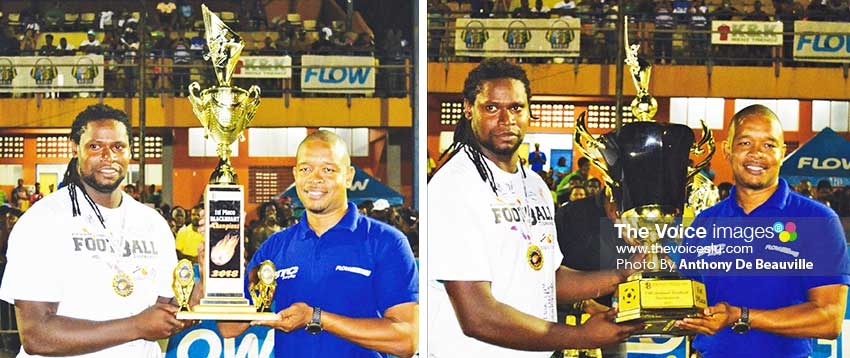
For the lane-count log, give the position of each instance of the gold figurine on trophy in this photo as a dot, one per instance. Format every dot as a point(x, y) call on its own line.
point(224, 111)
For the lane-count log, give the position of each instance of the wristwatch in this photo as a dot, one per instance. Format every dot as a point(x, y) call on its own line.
point(315, 324)
point(742, 325)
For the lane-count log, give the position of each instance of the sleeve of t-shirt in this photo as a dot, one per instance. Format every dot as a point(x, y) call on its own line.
point(830, 252)
point(167, 257)
point(396, 275)
point(456, 233)
point(34, 249)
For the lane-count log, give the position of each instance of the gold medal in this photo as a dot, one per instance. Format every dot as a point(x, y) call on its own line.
point(122, 284)
point(535, 257)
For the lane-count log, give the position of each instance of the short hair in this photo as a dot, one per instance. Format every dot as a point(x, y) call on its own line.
point(491, 69)
point(593, 180)
point(583, 161)
point(330, 138)
point(261, 211)
point(751, 110)
point(98, 112)
point(48, 36)
point(824, 184)
point(724, 186)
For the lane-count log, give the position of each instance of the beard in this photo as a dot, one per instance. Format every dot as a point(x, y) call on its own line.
point(503, 151)
point(105, 188)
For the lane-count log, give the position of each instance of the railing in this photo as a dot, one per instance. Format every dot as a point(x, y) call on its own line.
point(681, 45)
point(164, 77)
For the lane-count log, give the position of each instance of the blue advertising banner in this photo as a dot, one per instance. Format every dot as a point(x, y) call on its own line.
point(205, 341)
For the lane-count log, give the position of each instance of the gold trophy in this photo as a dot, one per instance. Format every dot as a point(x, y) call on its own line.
point(645, 166)
point(224, 111)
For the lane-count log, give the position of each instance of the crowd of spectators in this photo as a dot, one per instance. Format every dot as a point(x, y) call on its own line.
point(174, 42)
point(656, 25)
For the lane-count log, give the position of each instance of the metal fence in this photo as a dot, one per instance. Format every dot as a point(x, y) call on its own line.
point(683, 44)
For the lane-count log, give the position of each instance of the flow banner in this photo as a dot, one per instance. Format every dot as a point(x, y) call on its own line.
point(338, 74)
point(821, 41)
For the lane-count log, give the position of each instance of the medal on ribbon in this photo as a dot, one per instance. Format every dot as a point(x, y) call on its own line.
point(122, 284)
point(535, 257)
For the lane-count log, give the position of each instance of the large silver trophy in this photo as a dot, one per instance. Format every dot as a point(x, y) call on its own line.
point(645, 166)
point(224, 111)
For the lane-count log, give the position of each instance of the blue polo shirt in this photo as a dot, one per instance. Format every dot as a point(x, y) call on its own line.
point(359, 269)
point(819, 238)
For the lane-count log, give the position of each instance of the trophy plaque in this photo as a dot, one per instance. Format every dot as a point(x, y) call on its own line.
point(645, 166)
point(224, 111)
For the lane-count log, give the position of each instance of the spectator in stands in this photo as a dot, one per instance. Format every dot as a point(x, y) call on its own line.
point(758, 54)
point(189, 238)
point(28, 43)
point(664, 32)
point(838, 10)
point(18, 194)
point(266, 225)
point(609, 23)
point(816, 11)
point(48, 49)
point(786, 14)
point(537, 159)
point(185, 15)
point(480, 9)
point(269, 47)
point(105, 20)
point(824, 194)
point(90, 45)
point(182, 57)
point(66, 49)
point(166, 14)
point(523, 11)
point(54, 18)
point(178, 214)
point(593, 186)
point(540, 10)
point(9, 44)
point(725, 12)
point(37, 194)
point(698, 37)
point(577, 192)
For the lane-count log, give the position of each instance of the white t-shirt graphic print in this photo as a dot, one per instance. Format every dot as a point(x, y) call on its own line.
point(477, 235)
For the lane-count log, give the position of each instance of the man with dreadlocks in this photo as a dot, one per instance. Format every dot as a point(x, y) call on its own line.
point(495, 265)
point(96, 281)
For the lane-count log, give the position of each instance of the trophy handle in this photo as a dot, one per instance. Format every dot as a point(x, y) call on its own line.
point(195, 100)
point(590, 147)
point(705, 145)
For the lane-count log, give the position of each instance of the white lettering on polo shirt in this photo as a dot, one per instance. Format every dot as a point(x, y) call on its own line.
point(356, 270)
point(287, 273)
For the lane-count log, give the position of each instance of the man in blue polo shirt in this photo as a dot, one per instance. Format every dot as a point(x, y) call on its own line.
point(347, 285)
point(762, 310)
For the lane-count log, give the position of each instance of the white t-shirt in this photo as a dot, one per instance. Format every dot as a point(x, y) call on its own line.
point(475, 235)
point(54, 257)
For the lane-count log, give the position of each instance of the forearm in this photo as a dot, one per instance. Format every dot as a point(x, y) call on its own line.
point(396, 337)
point(61, 336)
point(805, 320)
point(574, 286)
point(503, 325)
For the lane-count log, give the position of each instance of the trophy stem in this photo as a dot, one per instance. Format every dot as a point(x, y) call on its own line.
point(224, 172)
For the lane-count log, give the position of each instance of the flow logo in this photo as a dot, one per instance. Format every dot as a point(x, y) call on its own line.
point(787, 232)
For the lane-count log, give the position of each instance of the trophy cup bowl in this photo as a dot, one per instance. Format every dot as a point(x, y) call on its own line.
point(645, 166)
point(224, 112)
